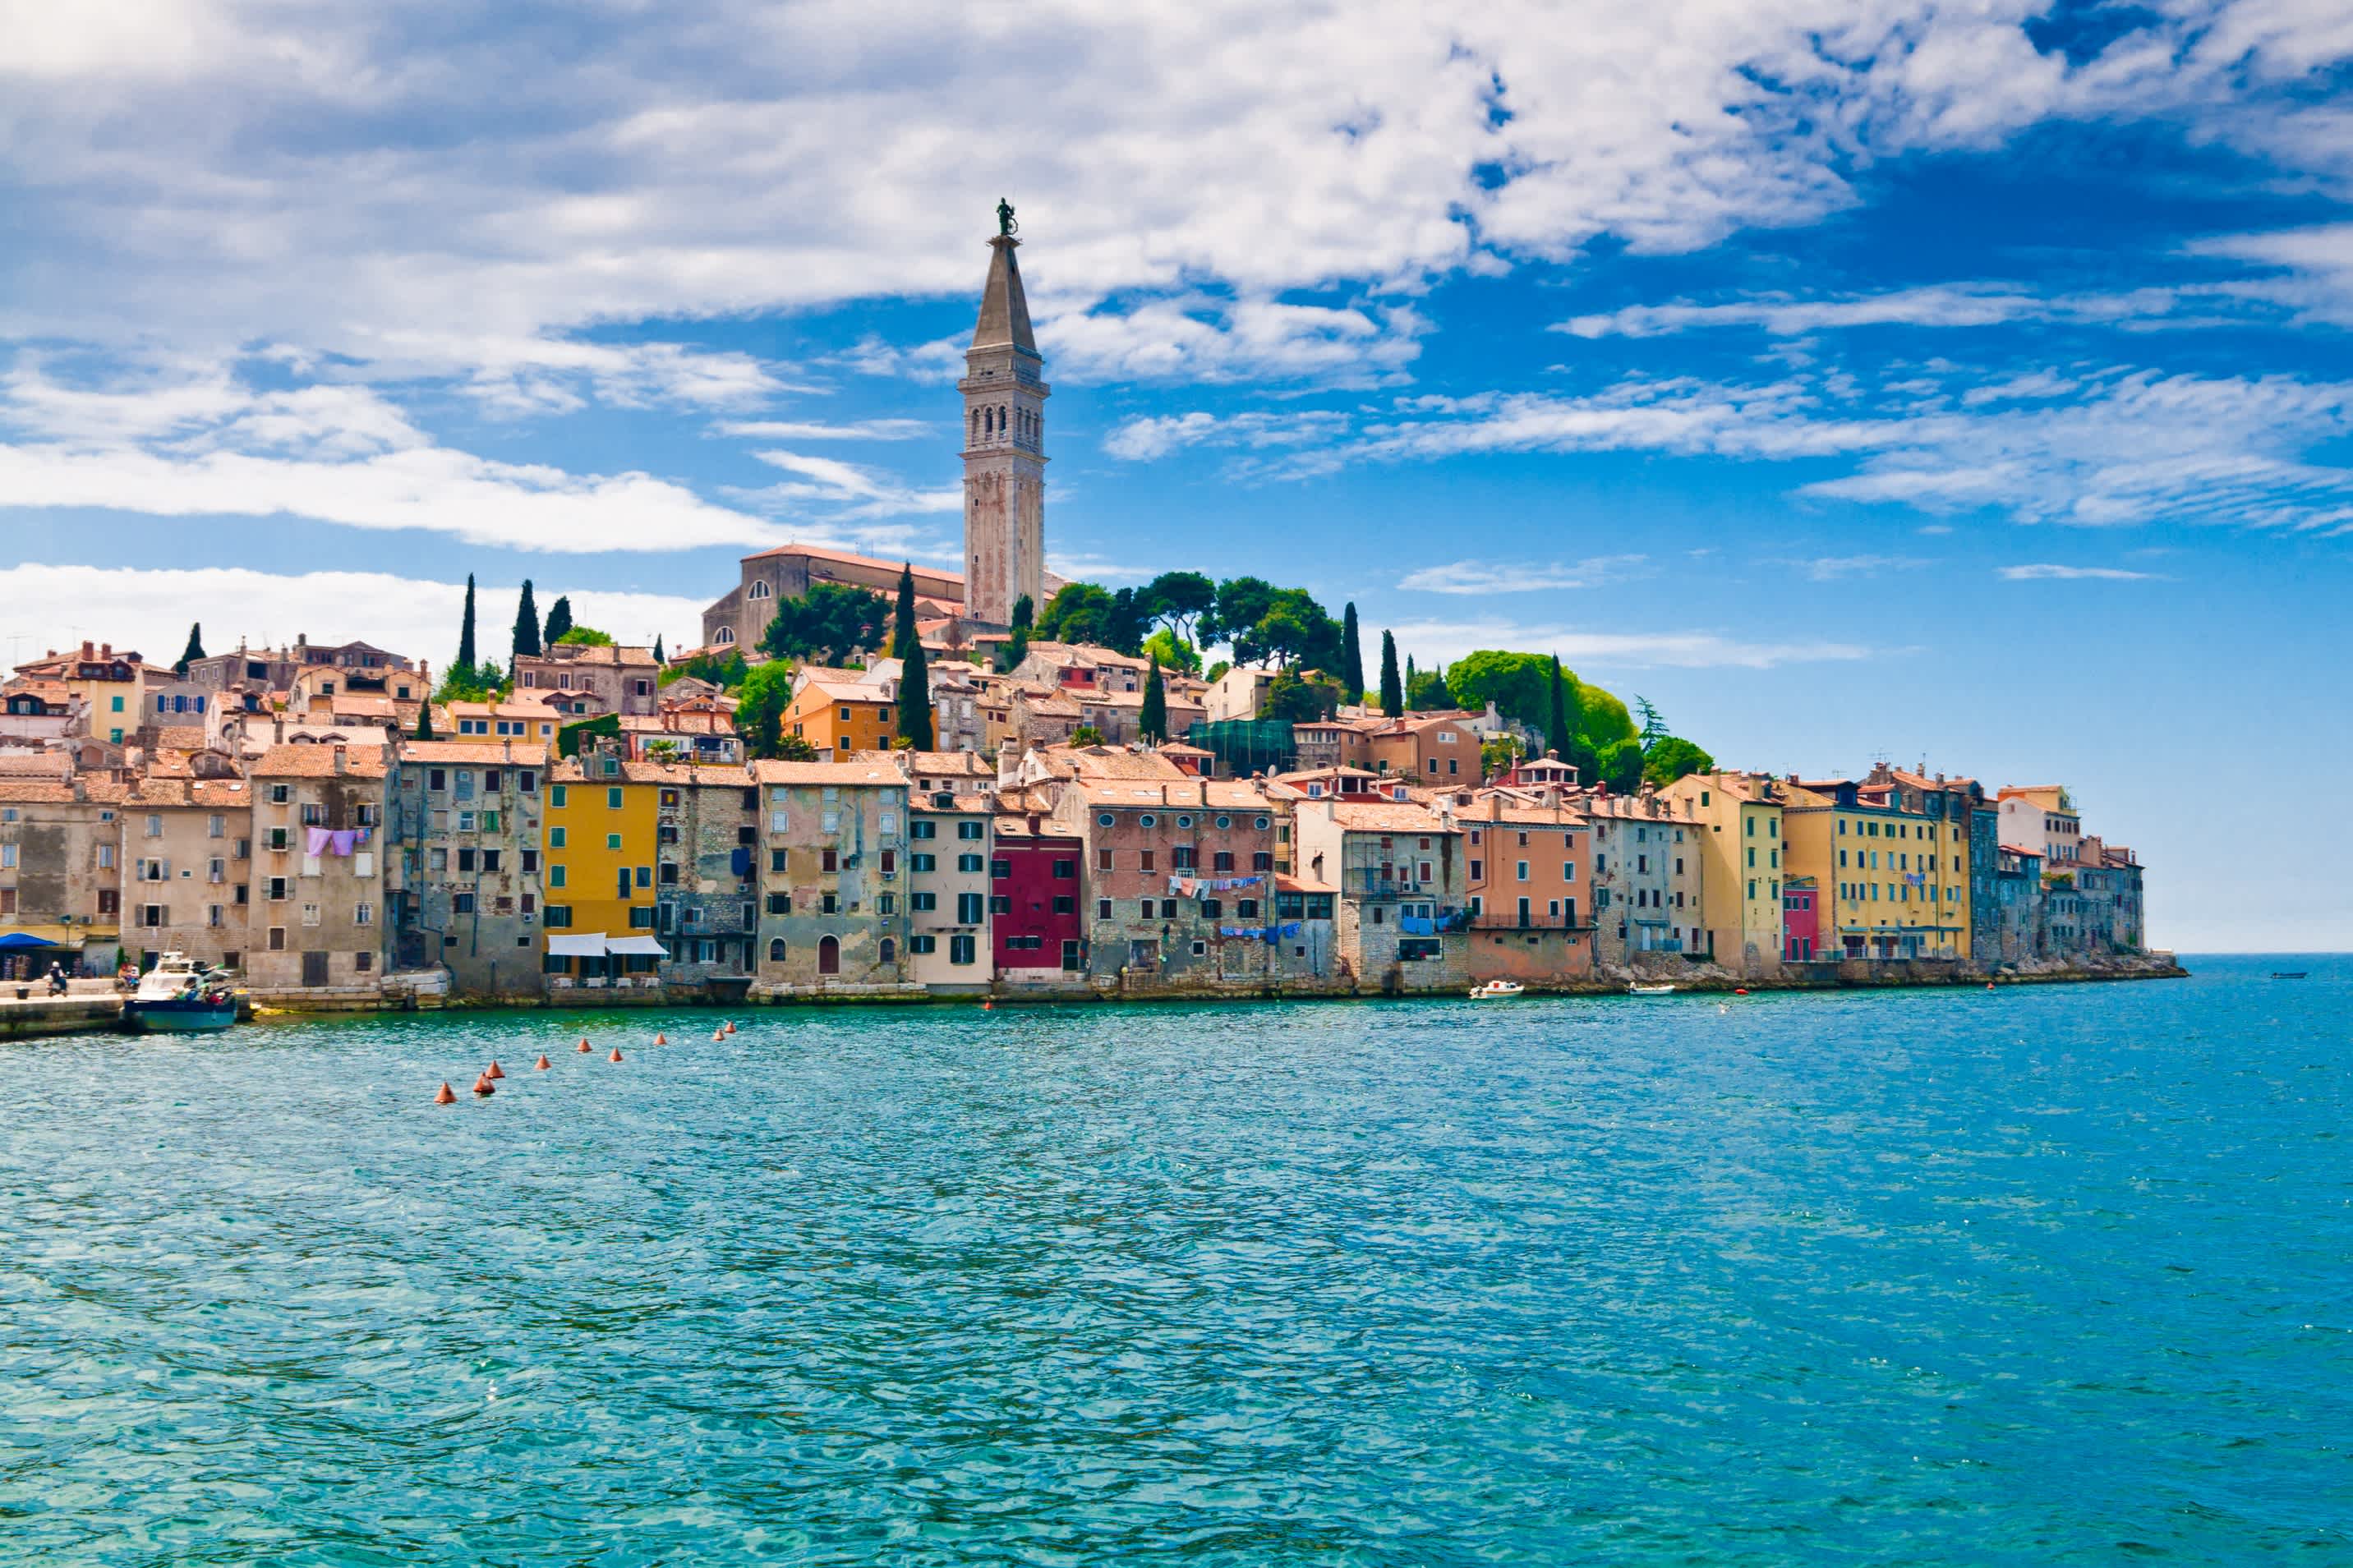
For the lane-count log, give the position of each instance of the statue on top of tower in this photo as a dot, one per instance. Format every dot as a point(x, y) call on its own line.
point(1005, 223)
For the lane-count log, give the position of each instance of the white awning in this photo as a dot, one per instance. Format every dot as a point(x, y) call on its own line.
point(637, 947)
point(589, 946)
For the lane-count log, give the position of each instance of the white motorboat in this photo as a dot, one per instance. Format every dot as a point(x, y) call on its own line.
point(1640, 990)
point(1497, 991)
point(181, 996)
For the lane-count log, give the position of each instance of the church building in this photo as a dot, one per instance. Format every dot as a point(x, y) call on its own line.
point(1003, 431)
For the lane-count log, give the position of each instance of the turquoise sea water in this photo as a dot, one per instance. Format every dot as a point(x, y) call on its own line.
point(2052, 1274)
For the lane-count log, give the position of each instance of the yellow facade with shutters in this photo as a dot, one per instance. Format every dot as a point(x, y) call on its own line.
point(1742, 856)
point(600, 836)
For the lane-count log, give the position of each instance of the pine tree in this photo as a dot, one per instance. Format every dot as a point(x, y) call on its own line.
point(1556, 720)
point(1352, 657)
point(526, 626)
point(915, 699)
point(902, 624)
point(1392, 686)
point(425, 719)
point(658, 659)
point(559, 620)
point(465, 659)
point(194, 651)
point(1152, 720)
point(1017, 648)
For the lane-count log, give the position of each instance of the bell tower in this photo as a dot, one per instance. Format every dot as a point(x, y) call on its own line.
point(1004, 444)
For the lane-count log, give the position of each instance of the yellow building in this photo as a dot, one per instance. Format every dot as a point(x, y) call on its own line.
point(109, 685)
point(1893, 873)
point(1740, 849)
point(838, 712)
point(601, 847)
point(491, 722)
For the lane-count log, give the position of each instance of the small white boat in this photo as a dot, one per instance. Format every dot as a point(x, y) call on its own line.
point(1639, 990)
point(1496, 991)
point(181, 996)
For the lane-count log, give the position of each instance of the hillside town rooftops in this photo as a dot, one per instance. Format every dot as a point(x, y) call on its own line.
point(319, 760)
point(474, 754)
point(774, 771)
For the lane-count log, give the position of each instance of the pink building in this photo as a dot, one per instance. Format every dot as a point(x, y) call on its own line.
point(1801, 921)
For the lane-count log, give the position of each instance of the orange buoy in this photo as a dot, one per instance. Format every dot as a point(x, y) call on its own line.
point(989, 1006)
point(543, 1064)
point(661, 1039)
point(447, 1097)
point(730, 1027)
point(717, 1035)
point(1740, 991)
point(493, 1070)
point(484, 1085)
point(584, 1042)
point(616, 1056)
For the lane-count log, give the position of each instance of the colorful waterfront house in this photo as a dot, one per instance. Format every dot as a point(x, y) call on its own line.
point(463, 883)
point(318, 885)
point(61, 867)
point(1737, 822)
point(1641, 844)
point(1323, 745)
point(109, 685)
point(706, 876)
point(1402, 871)
point(840, 712)
point(1896, 876)
point(1527, 885)
point(601, 902)
point(1440, 749)
point(833, 879)
point(611, 678)
point(949, 891)
point(1037, 896)
point(2041, 819)
point(2019, 897)
point(1800, 919)
point(1180, 873)
point(1306, 917)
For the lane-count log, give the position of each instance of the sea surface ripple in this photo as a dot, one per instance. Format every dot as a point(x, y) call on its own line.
point(2052, 1273)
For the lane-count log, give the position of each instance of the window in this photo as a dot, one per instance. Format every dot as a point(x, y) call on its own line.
point(782, 903)
point(961, 948)
point(972, 863)
point(612, 841)
point(309, 914)
point(1103, 909)
point(971, 829)
point(970, 909)
point(461, 903)
point(555, 794)
point(922, 828)
point(276, 939)
point(613, 798)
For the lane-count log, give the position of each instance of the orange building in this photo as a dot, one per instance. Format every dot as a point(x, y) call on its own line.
point(839, 711)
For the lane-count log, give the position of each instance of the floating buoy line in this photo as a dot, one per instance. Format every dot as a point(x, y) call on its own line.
point(485, 1081)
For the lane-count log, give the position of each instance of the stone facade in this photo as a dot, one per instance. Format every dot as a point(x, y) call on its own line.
point(463, 847)
point(60, 865)
point(706, 876)
point(948, 890)
point(1138, 835)
point(319, 917)
point(1005, 396)
point(832, 878)
point(187, 851)
point(597, 681)
point(1403, 881)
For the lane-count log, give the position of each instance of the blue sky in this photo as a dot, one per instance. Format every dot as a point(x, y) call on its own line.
point(1958, 384)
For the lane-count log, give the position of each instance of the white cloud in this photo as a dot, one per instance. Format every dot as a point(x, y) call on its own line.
point(1156, 436)
point(149, 609)
point(1833, 568)
point(856, 430)
point(861, 492)
point(2044, 572)
point(1468, 577)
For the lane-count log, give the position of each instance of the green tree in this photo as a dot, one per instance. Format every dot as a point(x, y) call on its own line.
point(725, 670)
point(1654, 729)
point(1556, 720)
point(1622, 764)
point(465, 659)
point(832, 620)
point(1217, 671)
point(1518, 684)
point(1242, 603)
point(1296, 699)
point(1179, 601)
point(760, 705)
point(915, 725)
point(1079, 613)
point(1086, 735)
point(585, 636)
point(1352, 655)
point(526, 624)
point(1172, 651)
point(1015, 648)
point(193, 652)
point(1151, 718)
point(659, 658)
point(795, 749)
point(424, 721)
point(1426, 692)
point(903, 615)
point(1392, 686)
point(1498, 756)
point(559, 621)
point(1671, 757)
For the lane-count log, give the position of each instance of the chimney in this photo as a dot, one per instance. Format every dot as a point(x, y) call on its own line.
point(341, 760)
point(1033, 825)
point(1008, 764)
point(87, 649)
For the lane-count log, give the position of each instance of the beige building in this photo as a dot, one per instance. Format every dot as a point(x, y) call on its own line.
point(187, 854)
point(1736, 824)
point(740, 618)
point(60, 865)
point(583, 680)
point(317, 895)
point(948, 890)
point(833, 882)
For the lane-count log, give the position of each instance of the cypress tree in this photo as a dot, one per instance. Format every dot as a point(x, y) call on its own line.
point(194, 651)
point(526, 626)
point(1556, 720)
point(1392, 686)
point(465, 659)
point(425, 719)
point(659, 659)
point(915, 698)
point(1025, 614)
point(1352, 657)
point(559, 620)
point(902, 624)
point(1152, 720)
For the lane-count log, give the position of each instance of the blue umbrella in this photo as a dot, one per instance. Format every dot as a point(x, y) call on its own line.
point(18, 940)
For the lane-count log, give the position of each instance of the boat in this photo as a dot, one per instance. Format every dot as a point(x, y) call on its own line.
point(181, 996)
point(2290, 973)
point(1496, 991)
point(1640, 990)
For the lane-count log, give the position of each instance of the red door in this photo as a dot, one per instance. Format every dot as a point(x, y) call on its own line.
point(829, 957)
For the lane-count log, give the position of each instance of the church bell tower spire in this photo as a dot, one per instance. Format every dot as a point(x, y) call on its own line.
point(1005, 394)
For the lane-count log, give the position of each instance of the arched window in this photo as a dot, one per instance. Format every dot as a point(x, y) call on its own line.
point(988, 422)
point(887, 951)
point(829, 955)
point(726, 636)
point(1001, 426)
point(976, 426)
point(758, 590)
point(775, 950)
